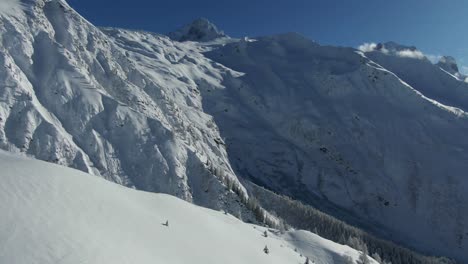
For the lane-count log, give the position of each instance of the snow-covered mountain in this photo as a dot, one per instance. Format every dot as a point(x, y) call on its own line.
point(53, 214)
point(448, 64)
point(376, 138)
point(329, 125)
point(122, 105)
point(441, 82)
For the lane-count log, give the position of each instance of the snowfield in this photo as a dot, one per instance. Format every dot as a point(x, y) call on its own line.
point(52, 214)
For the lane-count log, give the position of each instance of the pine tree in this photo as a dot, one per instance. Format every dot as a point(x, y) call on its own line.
point(265, 233)
point(266, 250)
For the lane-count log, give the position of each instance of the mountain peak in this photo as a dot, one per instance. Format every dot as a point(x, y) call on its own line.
point(449, 64)
point(200, 29)
point(395, 47)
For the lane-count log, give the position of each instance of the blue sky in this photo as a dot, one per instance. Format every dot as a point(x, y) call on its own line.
point(434, 26)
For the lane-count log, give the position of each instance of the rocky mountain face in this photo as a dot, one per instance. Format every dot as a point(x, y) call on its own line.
point(376, 138)
point(200, 30)
point(449, 64)
point(118, 104)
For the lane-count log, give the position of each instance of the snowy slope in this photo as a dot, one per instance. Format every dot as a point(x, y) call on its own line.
point(128, 111)
point(440, 82)
point(53, 214)
point(330, 127)
point(10, 7)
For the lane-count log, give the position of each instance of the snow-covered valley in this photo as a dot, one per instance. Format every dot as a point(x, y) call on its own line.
point(372, 137)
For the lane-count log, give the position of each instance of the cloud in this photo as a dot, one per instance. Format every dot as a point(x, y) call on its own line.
point(367, 47)
point(10, 7)
point(433, 58)
point(414, 54)
point(405, 53)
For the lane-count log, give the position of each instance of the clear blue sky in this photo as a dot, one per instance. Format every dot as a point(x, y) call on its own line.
point(437, 27)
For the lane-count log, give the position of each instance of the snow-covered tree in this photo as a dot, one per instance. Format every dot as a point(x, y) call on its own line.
point(348, 260)
point(363, 259)
point(377, 257)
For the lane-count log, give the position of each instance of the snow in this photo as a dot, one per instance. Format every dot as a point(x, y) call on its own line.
point(10, 7)
point(449, 65)
point(434, 81)
point(107, 101)
point(53, 214)
point(375, 133)
point(379, 135)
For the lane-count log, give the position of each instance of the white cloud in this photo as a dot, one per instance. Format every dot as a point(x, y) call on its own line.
point(407, 53)
point(367, 47)
point(10, 7)
point(433, 58)
point(414, 54)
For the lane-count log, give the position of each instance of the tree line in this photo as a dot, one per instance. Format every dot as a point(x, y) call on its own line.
point(306, 217)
